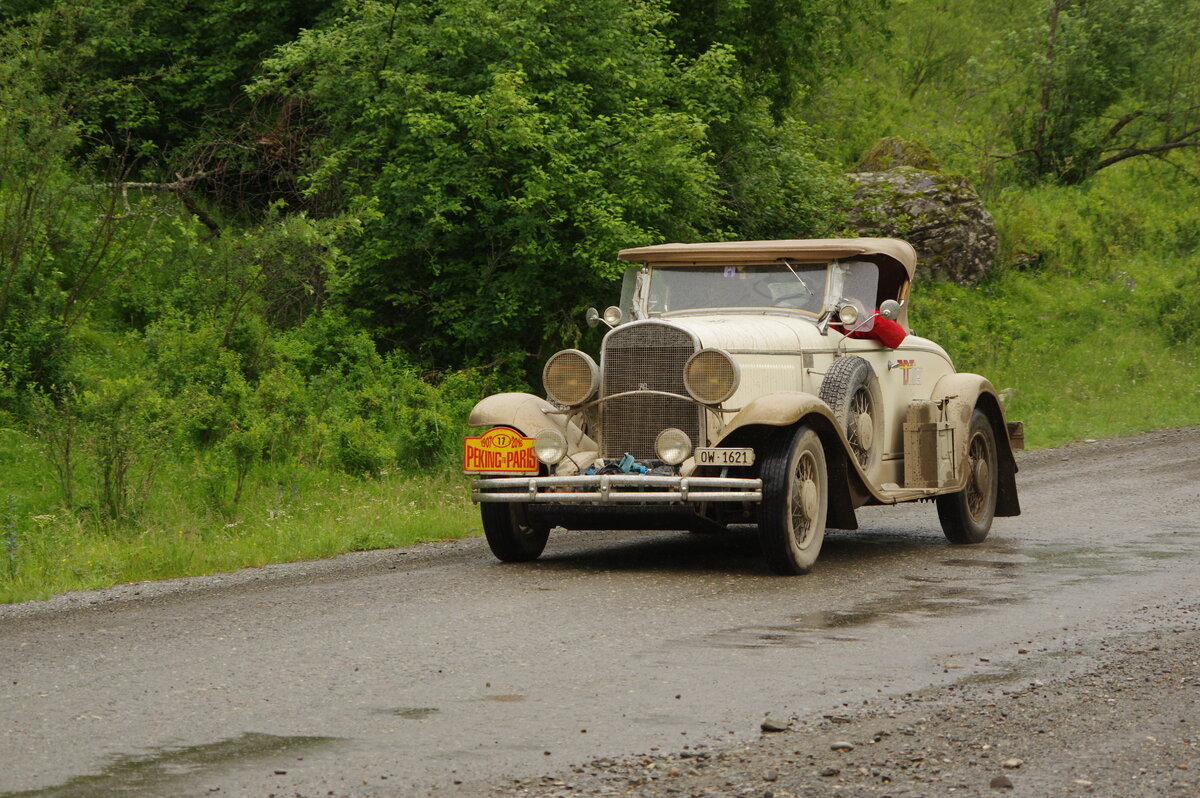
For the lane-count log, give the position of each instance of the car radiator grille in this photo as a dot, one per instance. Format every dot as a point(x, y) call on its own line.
point(645, 356)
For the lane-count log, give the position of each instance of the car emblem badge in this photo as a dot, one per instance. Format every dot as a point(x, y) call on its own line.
point(643, 386)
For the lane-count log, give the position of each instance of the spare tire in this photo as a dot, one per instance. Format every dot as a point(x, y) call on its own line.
point(851, 390)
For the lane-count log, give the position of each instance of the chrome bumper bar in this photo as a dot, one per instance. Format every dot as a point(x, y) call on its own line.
point(614, 488)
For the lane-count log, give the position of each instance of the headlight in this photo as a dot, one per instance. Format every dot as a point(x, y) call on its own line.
point(710, 376)
point(673, 446)
point(550, 446)
point(571, 377)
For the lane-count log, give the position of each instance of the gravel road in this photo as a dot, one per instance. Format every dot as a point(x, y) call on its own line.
point(1062, 656)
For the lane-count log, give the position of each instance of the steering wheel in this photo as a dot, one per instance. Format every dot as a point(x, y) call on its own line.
point(798, 289)
point(762, 288)
point(779, 302)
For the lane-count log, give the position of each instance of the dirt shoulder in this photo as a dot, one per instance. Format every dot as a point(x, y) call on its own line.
point(1120, 716)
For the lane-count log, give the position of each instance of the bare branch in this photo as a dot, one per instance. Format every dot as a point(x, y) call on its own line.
point(1187, 139)
point(1121, 123)
point(180, 184)
point(1013, 154)
point(180, 188)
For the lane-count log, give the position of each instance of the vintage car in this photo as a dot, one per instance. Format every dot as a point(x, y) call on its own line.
point(740, 383)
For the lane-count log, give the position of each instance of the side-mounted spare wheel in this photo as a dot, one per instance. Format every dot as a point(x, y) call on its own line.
point(967, 515)
point(851, 390)
point(791, 520)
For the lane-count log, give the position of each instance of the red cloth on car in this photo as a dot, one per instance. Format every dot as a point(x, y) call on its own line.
point(886, 331)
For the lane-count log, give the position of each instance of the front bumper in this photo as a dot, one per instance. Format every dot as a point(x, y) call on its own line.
point(616, 488)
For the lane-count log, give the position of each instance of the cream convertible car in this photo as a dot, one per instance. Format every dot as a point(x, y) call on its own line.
point(728, 393)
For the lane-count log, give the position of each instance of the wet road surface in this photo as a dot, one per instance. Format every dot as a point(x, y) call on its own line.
point(406, 671)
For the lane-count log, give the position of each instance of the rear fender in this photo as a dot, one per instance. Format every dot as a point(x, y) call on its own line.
point(964, 393)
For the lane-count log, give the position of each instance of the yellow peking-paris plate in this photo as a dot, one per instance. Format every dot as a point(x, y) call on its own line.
point(499, 451)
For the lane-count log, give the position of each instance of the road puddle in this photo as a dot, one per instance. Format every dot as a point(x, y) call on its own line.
point(411, 713)
point(161, 770)
point(967, 585)
point(925, 598)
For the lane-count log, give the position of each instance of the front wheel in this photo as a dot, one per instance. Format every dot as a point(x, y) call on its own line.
point(967, 516)
point(510, 535)
point(791, 525)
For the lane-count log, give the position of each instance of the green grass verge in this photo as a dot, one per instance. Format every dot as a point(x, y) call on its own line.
point(1080, 362)
point(48, 550)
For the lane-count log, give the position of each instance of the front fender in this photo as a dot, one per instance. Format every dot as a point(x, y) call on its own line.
point(779, 410)
point(529, 415)
point(849, 486)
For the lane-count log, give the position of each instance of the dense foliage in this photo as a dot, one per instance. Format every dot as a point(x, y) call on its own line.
point(500, 153)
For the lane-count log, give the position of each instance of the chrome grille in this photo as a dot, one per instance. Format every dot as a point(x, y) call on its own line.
point(645, 356)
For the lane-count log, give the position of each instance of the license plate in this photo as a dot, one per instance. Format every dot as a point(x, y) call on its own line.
point(724, 457)
point(499, 451)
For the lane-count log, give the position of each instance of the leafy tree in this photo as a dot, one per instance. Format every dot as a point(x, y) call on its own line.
point(786, 47)
point(500, 153)
point(145, 75)
point(1114, 79)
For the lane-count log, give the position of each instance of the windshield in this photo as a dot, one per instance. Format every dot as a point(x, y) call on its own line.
point(800, 286)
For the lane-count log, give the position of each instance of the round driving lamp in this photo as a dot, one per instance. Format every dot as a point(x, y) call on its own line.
point(848, 314)
point(612, 316)
point(550, 446)
point(570, 377)
point(673, 446)
point(711, 376)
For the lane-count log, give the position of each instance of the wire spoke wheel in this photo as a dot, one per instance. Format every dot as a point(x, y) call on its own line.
point(860, 429)
point(791, 525)
point(966, 516)
point(979, 459)
point(804, 498)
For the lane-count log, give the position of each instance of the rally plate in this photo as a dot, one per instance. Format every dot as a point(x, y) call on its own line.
point(499, 451)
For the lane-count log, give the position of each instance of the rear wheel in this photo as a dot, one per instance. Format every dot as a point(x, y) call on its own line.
point(791, 525)
point(510, 534)
point(967, 516)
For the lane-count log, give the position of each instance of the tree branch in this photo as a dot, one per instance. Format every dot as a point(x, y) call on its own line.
point(1013, 154)
point(180, 188)
point(180, 184)
point(1187, 139)
point(1121, 123)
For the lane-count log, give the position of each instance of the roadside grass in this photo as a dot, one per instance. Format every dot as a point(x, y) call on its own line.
point(1079, 361)
point(1093, 317)
point(49, 549)
point(1084, 359)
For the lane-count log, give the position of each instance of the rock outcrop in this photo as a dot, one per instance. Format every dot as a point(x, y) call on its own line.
point(941, 215)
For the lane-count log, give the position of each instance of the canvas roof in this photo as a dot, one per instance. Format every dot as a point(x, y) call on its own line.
point(800, 250)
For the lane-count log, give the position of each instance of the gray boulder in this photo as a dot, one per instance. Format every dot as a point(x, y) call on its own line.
point(939, 214)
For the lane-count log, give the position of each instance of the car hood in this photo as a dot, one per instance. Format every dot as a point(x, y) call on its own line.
point(753, 331)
